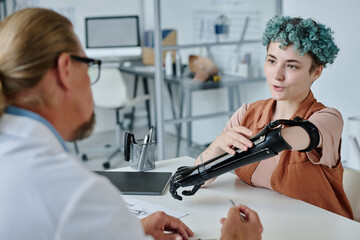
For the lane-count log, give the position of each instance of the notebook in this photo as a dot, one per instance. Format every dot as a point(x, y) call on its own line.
point(139, 183)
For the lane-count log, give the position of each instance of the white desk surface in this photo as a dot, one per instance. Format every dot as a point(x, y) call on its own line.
point(282, 217)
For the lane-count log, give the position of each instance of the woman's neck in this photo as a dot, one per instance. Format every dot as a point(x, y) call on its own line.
point(287, 108)
point(284, 110)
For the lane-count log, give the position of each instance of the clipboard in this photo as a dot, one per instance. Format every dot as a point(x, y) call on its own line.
point(138, 183)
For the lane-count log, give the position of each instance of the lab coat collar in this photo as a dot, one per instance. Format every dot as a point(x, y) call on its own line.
point(26, 113)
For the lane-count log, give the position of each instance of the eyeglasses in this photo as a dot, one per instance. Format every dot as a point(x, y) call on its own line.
point(94, 67)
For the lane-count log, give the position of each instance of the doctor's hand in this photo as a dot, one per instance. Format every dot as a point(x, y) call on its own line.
point(235, 137)
point(233, 228)
point(158, 222)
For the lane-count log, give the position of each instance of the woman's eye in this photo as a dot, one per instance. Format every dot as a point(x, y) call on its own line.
point(271, 61)
point(292, 66)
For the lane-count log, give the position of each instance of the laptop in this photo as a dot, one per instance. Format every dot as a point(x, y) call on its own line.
point(139, 183)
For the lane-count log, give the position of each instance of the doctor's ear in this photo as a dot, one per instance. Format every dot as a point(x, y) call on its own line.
point(64, 70)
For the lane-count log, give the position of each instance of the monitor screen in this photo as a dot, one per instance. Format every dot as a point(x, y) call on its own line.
point(112, 32)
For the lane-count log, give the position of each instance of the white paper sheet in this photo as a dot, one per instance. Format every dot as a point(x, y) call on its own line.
point(143, 209)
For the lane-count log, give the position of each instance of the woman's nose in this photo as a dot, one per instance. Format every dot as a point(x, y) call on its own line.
point(279, 73)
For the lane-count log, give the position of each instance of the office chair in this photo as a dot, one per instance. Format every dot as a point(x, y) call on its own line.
point(110, 93)
point(351, 181)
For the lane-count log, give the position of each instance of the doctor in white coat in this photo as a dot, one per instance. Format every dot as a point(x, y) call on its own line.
point(45, 98)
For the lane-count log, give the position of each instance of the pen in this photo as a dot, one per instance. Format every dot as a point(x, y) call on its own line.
point(241, 214)
point(129, 139)
point(151, 133)
point(143, 154)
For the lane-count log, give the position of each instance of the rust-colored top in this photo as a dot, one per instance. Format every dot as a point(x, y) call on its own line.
point(295, 175)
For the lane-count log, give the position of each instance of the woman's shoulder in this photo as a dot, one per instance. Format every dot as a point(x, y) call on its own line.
point(328, 111)
point(246, 106)
point(328, 117)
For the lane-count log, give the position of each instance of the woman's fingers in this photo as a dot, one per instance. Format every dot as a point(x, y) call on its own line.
point(237, 137)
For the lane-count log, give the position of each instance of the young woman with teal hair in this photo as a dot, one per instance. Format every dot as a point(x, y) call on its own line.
point(297, 51)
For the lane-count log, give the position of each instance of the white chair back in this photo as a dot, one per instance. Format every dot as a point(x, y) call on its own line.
point(351, 183)
point(110, 91)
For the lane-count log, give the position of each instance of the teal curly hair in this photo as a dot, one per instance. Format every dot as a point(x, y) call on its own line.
point(305, 35)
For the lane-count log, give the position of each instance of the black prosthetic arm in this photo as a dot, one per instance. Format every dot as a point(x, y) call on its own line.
point(266, 144)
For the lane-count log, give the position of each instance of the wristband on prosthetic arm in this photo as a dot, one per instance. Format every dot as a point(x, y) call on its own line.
point(267, 143)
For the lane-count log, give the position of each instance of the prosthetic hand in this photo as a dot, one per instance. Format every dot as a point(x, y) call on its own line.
point(266, 144)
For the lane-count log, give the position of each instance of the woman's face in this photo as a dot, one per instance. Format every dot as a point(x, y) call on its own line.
point(288, 73)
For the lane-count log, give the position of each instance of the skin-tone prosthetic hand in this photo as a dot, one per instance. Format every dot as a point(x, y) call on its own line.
point(267, 143)
point(202, 67)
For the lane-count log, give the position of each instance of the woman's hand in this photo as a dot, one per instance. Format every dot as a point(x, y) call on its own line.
point(235, 137)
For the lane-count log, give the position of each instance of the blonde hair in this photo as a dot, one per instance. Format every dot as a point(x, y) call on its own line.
point(31, 41)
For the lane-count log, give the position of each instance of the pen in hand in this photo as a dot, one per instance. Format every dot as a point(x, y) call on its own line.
point(241, 214)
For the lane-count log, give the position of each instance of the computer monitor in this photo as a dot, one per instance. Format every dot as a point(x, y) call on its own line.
point(112, 36)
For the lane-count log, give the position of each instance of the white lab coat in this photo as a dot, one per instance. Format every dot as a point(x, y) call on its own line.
point(45, 193)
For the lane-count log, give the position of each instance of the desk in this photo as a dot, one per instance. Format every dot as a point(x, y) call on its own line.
point(187, 86)
point(282, 217)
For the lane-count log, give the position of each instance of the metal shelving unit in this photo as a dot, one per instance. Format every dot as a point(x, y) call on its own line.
point(159, 78)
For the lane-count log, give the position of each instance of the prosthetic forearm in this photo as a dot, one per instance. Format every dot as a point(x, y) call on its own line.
point(268, 143)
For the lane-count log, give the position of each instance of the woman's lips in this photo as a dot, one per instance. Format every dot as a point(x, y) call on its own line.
point(278, 88)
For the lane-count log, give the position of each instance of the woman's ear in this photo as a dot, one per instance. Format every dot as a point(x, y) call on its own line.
point(317, 72)
point(64, 70)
